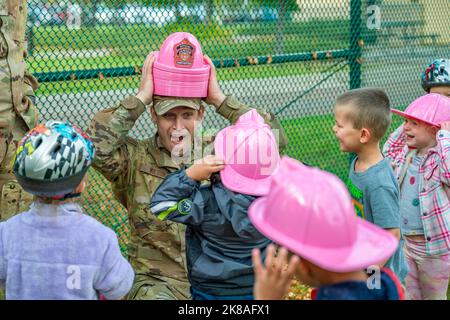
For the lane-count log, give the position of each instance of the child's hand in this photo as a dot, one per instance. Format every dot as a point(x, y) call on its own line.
point(445, 125)
point(203, 168)
point(272, 282)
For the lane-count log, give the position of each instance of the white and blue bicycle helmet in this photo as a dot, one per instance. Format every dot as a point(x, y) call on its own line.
point(437, 74)
point(52, 159)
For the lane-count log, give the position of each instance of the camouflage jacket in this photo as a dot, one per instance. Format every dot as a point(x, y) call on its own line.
point(17, 111)
point(135, 169)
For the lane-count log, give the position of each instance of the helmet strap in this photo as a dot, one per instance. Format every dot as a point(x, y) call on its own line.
point(72, 195)
point(67, 196)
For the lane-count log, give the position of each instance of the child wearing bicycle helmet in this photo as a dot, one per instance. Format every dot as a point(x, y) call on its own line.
point(436, 78)
point(53, 250)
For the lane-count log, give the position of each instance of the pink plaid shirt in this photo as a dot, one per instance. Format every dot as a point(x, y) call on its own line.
point(434, 186)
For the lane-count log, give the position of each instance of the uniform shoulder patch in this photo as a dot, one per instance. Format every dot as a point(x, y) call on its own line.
point(185, 206)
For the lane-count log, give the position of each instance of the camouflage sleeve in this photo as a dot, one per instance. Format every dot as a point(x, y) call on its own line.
point(6, 135)
point(28, 111)
point(109, 130)
point(30, 86)
point(16, 84)
point(232, 109)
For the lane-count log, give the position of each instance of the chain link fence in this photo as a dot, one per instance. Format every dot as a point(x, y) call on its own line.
point(292, 57)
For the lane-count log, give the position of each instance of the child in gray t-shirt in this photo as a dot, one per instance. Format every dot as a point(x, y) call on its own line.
point(375, 195)
point(362, 117)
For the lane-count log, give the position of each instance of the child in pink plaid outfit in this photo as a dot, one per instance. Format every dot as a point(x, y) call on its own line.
point(420, 154)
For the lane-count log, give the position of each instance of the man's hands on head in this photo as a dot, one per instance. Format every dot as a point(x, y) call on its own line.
point(215, 95)
point(145, 93)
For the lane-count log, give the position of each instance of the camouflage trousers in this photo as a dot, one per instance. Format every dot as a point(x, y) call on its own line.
point(158, 277)
point(146, 287)
point(13, 199)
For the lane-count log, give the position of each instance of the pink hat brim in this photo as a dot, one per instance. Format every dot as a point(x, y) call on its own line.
point(372, 246)
point(405, 115)
point(242, 184)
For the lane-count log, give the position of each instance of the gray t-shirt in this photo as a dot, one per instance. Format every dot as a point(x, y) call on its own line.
point(375, 195)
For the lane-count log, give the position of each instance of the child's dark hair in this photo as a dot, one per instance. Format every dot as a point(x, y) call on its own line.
point(372, 109)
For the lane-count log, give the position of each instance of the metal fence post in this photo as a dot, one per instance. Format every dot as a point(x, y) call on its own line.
point(355, 48)
point(281, 25)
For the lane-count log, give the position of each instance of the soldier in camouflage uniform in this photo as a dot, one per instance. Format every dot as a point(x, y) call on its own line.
point(135, 169)
point(17, 111)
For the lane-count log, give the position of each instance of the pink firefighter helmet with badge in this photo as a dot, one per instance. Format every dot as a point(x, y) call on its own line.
point(179, 69)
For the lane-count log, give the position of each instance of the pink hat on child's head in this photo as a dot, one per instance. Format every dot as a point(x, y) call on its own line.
point(250, 152)
point(179, 69)
point(310, 212)
point(431, 108)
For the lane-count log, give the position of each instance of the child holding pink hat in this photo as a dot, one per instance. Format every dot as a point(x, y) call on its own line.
point(420, 154)
point(316, 221)
point(219, 235)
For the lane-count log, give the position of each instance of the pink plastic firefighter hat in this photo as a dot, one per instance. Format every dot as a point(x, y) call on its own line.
point(179, 69)
point(309, 211)
point(431, 108)
point(250, 151)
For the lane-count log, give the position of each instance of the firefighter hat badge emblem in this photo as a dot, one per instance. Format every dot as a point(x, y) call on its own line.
point(184, 54)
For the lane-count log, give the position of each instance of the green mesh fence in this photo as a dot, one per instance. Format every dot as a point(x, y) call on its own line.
point(291, 57)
